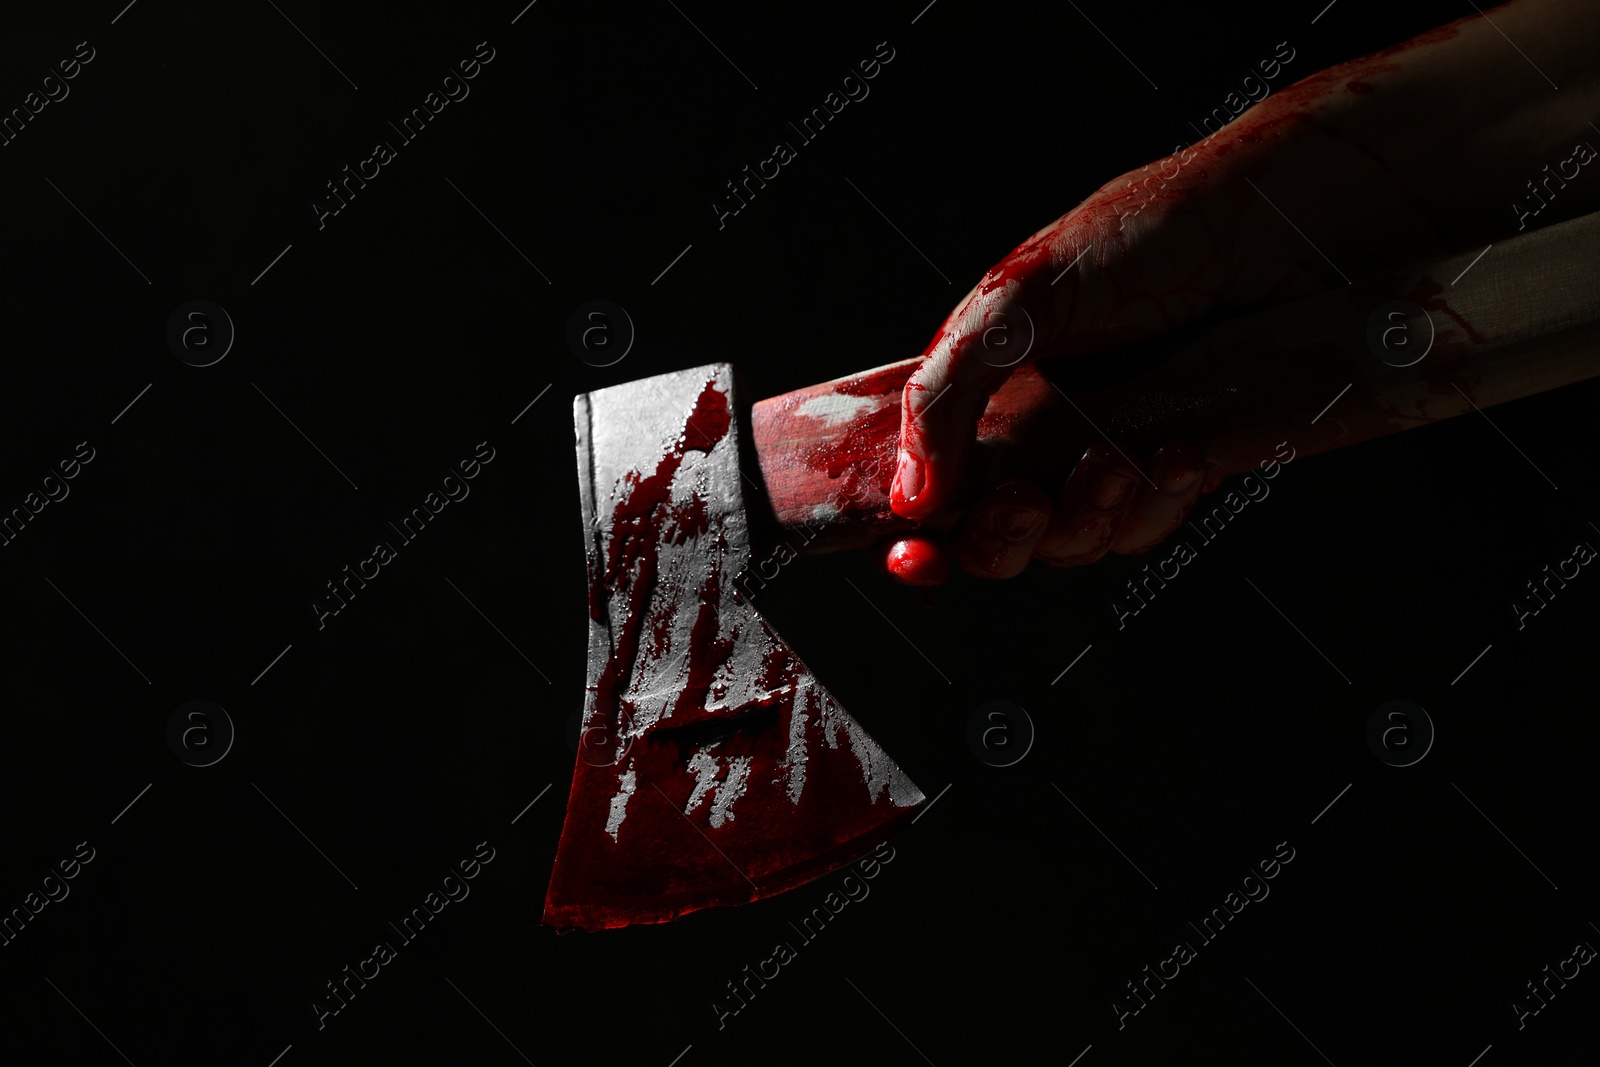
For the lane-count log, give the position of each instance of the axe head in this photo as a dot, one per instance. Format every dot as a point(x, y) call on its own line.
point(713, 768)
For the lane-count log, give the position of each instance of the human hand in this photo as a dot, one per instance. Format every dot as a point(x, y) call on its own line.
point(1133, 262)
point(1386, 160)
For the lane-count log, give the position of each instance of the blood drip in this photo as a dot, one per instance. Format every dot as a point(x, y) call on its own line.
point(815, 792)
point(918, 561)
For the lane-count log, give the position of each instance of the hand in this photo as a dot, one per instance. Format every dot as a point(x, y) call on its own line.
point(1315, 185)
point(1131, 263)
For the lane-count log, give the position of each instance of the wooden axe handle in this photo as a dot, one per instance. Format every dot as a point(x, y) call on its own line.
point(1318, 373)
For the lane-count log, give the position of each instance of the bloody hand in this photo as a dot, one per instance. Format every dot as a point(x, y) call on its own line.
point(1399, 156)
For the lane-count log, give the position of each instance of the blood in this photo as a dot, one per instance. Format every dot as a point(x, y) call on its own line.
point(1155, 185)
point(1426, 295)
point(641, 516)
point(691, 521)
point(918, 561)
point(1027, 274)
point(1441, 368)
point(1434, 36)
point(868, 437)
point(707, 652)
point(663, 863)
point(670, 868)
point(880, 382)
point(861, 454)
point(1302, 101)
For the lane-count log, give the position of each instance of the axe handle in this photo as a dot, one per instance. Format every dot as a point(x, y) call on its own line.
point(1316, 373)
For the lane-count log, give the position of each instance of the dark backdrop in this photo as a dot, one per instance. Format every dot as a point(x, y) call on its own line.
point(422, 319)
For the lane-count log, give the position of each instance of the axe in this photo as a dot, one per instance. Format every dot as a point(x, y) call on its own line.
point(714, 767)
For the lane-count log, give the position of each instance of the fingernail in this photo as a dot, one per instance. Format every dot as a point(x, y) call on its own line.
point(908, 477)
point(1113, 490)
point(1015, 523)
point(1177, 467)
point(998, 538)
point(1019, 526)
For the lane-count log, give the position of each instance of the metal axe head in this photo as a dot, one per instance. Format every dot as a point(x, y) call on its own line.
point(714, 768)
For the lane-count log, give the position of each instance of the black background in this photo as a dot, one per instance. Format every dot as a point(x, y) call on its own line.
point(407, 330)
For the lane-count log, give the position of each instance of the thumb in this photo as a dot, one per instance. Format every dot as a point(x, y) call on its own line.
point(988, 336)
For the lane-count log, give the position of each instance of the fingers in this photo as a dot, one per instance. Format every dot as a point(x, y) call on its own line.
point(1106, 505)
point(938, 425)
point(1013, 315)
point(1000, 532)
point(1178, 470)
point(1101, 489)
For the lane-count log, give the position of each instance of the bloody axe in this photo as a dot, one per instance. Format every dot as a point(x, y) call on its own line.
point(715, 768)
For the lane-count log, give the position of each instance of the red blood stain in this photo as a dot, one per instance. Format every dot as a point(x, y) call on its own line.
point(880, 382)
point(918, 561)
point(1443, 368)
point(861, 455)
point(641, 517)
point(663, 863)
point(1027, 274)
point(871, 437)
point(1425, 294)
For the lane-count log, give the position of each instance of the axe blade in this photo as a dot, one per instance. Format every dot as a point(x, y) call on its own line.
point(713, 768)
